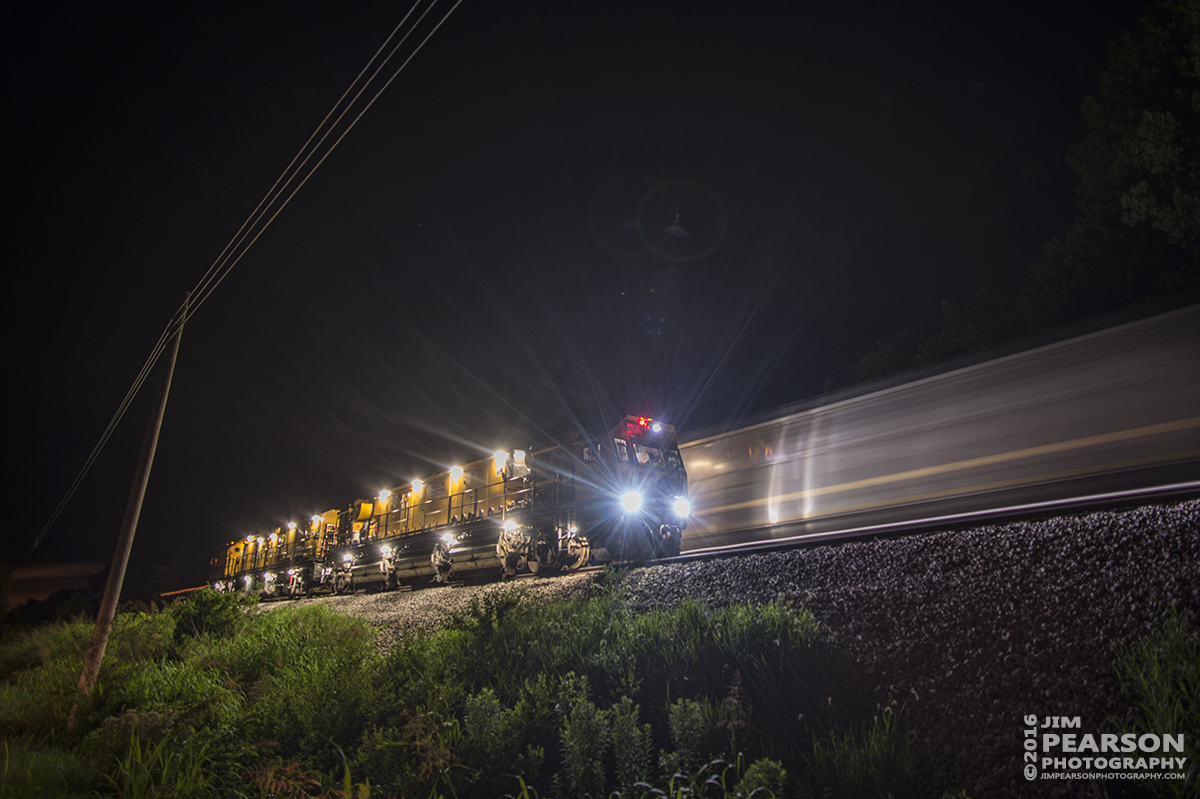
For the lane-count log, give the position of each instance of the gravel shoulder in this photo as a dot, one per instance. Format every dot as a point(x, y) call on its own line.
point(969, 630)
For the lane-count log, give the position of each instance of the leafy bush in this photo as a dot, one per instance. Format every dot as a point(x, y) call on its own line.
point(763, 778)
point(584, 741)
point(208, 612)
point(631, 743)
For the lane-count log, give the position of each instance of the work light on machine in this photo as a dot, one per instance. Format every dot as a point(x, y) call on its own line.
point(448, 538)
point(384, 494)
point(456, 473)
point(417, 486)
point(386, 551)
point(501, 457)
point(291, 525)
point(316, 519)
point(347, 557)
point(631, 501)
point(509, 526)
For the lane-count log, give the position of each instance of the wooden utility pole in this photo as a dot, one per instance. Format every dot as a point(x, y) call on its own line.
point(133, 509)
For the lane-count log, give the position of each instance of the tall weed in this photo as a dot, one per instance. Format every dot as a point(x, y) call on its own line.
point(866, 762)
point(167, 767)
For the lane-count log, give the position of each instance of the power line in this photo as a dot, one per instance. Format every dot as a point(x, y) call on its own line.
point(242, 240)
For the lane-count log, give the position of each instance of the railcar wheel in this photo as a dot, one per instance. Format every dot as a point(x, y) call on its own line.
point(578, 553)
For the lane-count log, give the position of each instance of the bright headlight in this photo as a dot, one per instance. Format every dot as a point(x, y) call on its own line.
point(682, 507)
point(631, 501)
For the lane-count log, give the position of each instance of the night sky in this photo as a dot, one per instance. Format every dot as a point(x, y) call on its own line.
point(460, 276)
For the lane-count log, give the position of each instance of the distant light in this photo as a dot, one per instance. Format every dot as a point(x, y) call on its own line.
point(347, 557)
point(270, 578)
point(572, 530)
point(247, 579)
point(449, 539)
point(386, 550)
point(384, 494)
point(631, 501)
point(291, 572)
point(656, 427)
point(274, 537)
point(417, 486)
point(291, 525)
point(774, 517)
point(455, 473)
point(682, 507)
point(249, 539)
point(260, 540)
point(510, 525)
point(316, 519)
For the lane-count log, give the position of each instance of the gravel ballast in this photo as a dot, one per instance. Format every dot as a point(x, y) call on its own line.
point(970, 630)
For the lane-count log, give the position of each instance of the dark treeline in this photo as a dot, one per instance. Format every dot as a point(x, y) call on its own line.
point(1134, 250)
point(144, 583)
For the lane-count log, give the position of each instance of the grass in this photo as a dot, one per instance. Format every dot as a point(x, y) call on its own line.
point(864, 762)
point(1162, 676)
point(581, 697)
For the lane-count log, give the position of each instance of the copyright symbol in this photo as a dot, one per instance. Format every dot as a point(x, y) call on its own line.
point(1030, 771)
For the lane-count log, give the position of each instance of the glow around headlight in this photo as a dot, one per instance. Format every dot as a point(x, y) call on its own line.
point(682, 507)
point(631, 501)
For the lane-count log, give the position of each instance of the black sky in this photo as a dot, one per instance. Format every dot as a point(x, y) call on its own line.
point(436, 290)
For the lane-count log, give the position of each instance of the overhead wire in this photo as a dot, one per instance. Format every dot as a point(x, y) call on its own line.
point(242, 241)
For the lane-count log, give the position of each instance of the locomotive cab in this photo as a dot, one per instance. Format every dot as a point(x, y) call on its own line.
point(652, 489)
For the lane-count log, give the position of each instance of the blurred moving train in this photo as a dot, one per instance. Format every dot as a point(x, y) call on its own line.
point(1114, 410)
point(620, 497)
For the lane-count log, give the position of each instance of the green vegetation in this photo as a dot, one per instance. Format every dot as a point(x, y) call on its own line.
point(210, 697)
point(1162, 677)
